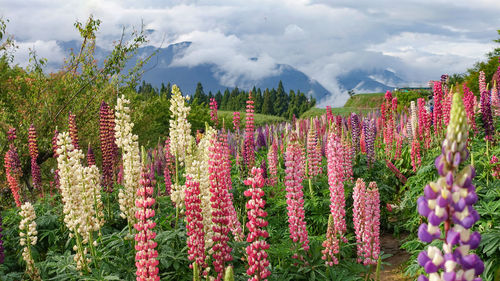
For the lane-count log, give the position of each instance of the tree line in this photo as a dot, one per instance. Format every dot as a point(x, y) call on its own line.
point(268, 101)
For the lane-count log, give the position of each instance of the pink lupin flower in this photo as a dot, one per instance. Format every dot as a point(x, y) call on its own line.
point(469, 101)
point(12, 166)
point(313, 153)
point(371, 234)
point(438, 107)
point(236, 121)
point(194, 218)
point(416, 159)
point(33, 148)
point(220, 214)
point(213, 111)
point(294, 170)
point(256, 251)
point(347, 155)
point(334, 154)
point(272, 161)
point(146, 255)
point(249, 148)
point(359, 214)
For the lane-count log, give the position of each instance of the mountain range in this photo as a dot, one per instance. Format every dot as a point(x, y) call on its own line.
point(160, 69)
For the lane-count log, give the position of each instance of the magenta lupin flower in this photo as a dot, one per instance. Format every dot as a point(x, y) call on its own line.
point(272, 163)
point(146, 256)
point(236, 121)
point(334, 156)
point(33, 148)
point(416, 159)
point(438, 107)
point(347, 155)
point(194, 218)
point(486, 116)
point(358, 214)
point(256, 251)
point(220, 210)
point(249, 151)
point(294, 170)
point(213, 111)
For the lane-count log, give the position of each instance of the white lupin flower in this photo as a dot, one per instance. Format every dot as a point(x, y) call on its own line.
point(127, 142)
point(180, 128)
point(29, 238)
point(414, 119)
point(81, 195)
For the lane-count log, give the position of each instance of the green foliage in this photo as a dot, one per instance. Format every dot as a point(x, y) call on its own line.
point(368, 101)
point(406, 97)
point(259, 119)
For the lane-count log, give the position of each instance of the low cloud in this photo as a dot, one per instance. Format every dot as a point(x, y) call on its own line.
point(418, 39)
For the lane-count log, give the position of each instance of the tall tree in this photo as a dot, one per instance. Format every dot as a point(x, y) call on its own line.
point(199, 95)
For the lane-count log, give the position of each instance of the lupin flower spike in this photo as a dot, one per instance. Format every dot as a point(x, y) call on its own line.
point(447, 204)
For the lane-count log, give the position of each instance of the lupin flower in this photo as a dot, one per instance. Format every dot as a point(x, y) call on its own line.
point(313, 153)
point(107, 138)
point(28, 234)
point(496, 167)
point(54, 150)
point(194, 226)
point(256, 251)
point(249, 148)
point(127, 142)
point(169, 167)
point(486, 116)
point(355, 133)
point(482, 82)
point(416, 159)
point(294, 170)
point(495, 99)
point(371, 233)
point(146, 256)
point(221, 252)
point(73, 130)
point(448, 202)
point(358, 214)
point(33, 148)
point(80, 191)
point(347, 155)
point(12, 166)
point(438, 107)
point(90, 156)
point(236, 121)
point(370, 132)
point(396, 171)
point(272, 161)
point(334, 156)
point(180, 128)
point(469, 102)
point(213, 111)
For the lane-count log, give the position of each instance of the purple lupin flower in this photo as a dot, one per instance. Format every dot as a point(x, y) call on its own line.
point(370, 132)
point(447, 204)
point(355, 133)
point(486, 115)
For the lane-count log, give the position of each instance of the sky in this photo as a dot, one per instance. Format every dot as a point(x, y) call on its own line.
point(419, 40)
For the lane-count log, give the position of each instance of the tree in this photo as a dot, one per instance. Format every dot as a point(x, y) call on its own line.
point(267, 105)
point(281, 102)
point(199, 95)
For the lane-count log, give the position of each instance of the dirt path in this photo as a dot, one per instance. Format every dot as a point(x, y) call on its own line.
point(390, 245)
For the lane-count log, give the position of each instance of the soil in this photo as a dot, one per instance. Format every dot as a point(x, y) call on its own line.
point(390, 245)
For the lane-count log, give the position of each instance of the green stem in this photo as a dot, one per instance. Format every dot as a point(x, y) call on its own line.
point(368, 273)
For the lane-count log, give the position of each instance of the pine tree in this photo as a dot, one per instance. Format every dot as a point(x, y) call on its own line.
point(199, 96)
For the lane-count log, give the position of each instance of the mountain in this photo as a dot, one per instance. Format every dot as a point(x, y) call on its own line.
point(161, 70)
point(370, 81)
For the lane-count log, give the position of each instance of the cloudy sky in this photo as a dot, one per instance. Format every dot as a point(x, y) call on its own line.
point(419, 40)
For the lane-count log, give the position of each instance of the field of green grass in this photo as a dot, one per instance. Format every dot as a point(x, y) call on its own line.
point(260, 119)
point(360, 103)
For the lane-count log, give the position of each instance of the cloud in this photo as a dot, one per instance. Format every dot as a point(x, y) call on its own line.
point(49, 50)
point(418, 39)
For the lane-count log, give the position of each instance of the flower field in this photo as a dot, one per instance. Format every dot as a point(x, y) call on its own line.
point(305, 199)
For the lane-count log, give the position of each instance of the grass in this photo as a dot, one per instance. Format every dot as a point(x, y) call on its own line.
point(260, 119)
point(360, 103)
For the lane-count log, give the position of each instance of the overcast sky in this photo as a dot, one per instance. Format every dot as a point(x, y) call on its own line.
point(420, 40)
